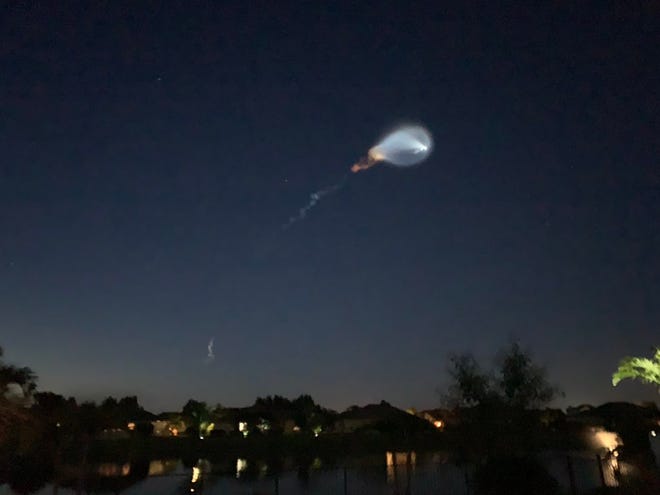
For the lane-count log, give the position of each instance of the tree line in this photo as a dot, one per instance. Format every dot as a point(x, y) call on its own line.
point(513, 385)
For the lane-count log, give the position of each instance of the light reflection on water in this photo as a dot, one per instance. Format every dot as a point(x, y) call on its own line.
point(113, 470)
point(396, 461)
point(241, 466)
point(162, 467)
point(390, 474)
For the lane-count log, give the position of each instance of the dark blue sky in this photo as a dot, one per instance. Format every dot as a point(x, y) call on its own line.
point(149, 156)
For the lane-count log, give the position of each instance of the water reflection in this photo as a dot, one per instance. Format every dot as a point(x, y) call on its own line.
point(394, 461)
point(391, 472)
point(394, 473)
point(196, 480)
point(241, 467)
point(199, 472)
point(162, 467)
point(113, 470)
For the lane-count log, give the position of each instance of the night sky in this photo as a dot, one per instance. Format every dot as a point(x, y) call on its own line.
point(149, 156)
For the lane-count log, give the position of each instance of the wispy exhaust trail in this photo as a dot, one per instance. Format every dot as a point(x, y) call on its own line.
point(314, 198)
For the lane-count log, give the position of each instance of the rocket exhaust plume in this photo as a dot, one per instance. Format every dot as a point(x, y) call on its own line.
point(403, 147)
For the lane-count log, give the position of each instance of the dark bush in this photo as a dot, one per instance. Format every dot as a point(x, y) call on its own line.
point(514, 476)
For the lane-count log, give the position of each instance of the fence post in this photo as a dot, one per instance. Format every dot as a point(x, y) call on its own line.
point(345, 482)
point(600, 470)
point(467, 481)
point(408, 473)
point(277, 484)
point(571, 475)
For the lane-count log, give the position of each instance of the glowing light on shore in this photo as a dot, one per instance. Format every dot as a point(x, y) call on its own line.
point(606, 440)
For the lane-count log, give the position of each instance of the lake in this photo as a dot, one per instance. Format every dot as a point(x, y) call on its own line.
point(390, 474)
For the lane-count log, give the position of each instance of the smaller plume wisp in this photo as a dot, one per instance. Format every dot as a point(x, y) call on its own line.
point(314, 198)
point(210, 356)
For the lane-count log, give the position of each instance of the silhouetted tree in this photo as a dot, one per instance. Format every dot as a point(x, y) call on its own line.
point(53, 410)
point(90, 419)
point(523, 384)
point(470, 386)
point(503, 475)
point(496, 407)
point(12, 411)
point(129, 409)
point(517, 381)
point(118, 413)
point(198, 412)
point(305, 413)
point(50, 404)
point(109, 404)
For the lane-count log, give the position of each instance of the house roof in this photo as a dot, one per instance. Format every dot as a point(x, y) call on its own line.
point(620, 413)
point(436, 413)
point(170, 416)
point(625, 410)
point(374, 411)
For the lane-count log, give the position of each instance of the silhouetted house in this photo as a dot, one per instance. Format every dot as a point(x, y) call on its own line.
point(439, 418)
point(169, 424)
point(259, 419)
point(271, 420)
point(621, 413)
point(381, 417)
point(579, 411)
point(242, 420)
point(581, 419)
point(231, 420)
point(632, 422)
point(549, 417)
point(113, 434)
point(141, 424)
point(226, 426)
point(290, 426)
point(615, 414)
point(273, 415)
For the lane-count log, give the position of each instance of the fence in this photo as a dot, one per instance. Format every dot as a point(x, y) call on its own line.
point(402, 473)
point(575, 473)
